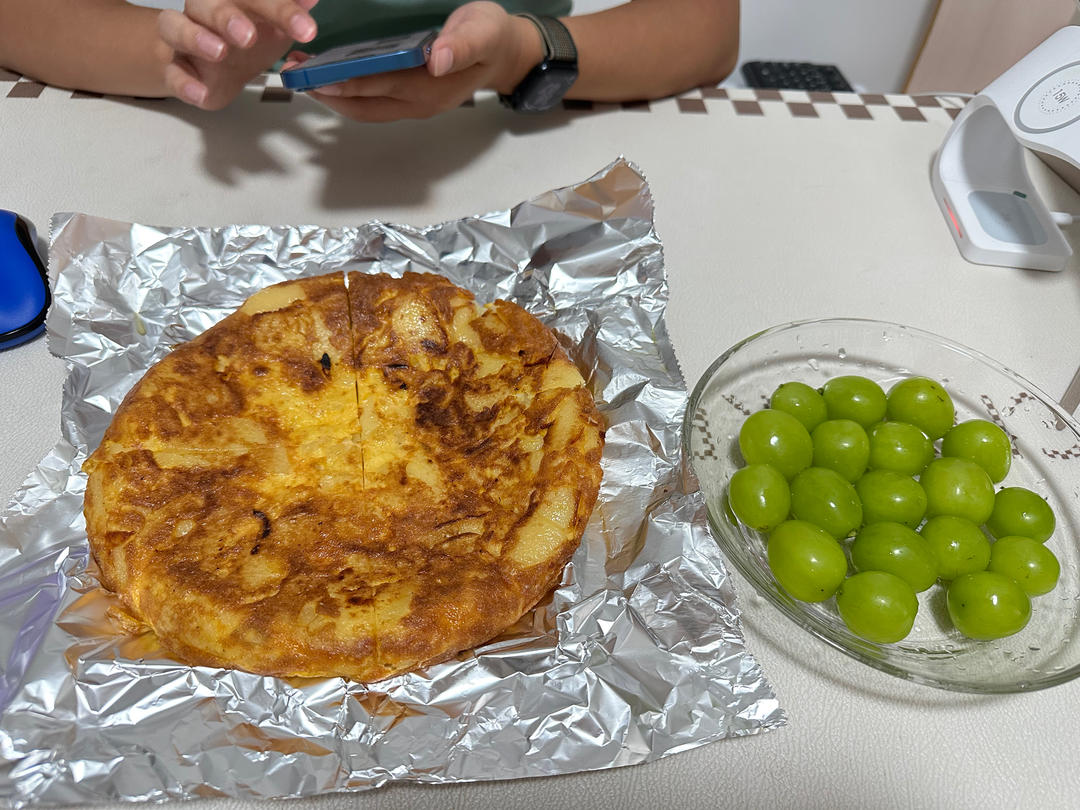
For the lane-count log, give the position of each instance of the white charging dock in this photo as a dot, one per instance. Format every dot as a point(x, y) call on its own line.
point(993, 210)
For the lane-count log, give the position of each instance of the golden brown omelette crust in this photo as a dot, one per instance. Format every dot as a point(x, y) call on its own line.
point(346, 477)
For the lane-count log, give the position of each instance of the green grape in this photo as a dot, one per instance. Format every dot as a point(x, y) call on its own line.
point(842, 446)
point(802, 402)
point(776, 438)
point(855, 398)
point(921, 402)
point(822, 497)
point(1020, 511)
point(956, 486)
point(899, 447)
point(878, 606)
point(959, 545)
point(892, 497)
point(898, 549)
point(760, 497)
point(982, 442)
point(1029, 562)
point(806, 561)
point(986, 605)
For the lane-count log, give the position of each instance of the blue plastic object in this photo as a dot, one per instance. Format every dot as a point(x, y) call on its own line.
point(24, 286)
point(359, 59)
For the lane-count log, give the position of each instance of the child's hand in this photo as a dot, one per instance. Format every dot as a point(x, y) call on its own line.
point(480, 46)
point(214, 47)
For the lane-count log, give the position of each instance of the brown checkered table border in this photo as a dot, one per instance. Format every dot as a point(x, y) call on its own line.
point(743, 102)
point(802, 104)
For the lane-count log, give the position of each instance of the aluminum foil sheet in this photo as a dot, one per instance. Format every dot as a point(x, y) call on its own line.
point(638, 654)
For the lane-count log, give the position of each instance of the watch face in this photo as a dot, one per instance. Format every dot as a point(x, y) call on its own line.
point(545, 86)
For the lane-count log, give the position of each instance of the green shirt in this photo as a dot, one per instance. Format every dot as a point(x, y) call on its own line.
point(344, 21)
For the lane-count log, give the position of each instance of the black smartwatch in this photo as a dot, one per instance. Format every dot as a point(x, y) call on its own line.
point(545, 85)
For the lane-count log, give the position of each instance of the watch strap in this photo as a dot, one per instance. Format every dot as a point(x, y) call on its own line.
point(558, 44)
point(547, 82)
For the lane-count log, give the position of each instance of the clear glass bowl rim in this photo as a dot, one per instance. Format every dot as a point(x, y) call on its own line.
point(788, 608)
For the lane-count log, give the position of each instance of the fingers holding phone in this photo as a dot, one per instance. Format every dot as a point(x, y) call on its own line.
point(479, 46)
point(360, 59)
point(214, 47)
point(476, 33)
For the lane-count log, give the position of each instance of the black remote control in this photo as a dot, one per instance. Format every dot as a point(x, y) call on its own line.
point(795, 76)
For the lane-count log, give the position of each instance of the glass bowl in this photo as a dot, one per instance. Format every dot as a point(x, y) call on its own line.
point(1046, 459)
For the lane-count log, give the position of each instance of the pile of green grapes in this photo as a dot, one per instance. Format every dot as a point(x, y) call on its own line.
point(847, 478)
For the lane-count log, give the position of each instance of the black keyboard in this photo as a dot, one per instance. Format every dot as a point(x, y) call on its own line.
point(795, 76)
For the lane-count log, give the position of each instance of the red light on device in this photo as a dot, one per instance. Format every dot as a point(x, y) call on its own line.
point(952, 216)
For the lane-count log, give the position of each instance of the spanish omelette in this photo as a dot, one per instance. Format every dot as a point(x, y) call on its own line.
point(351, 475)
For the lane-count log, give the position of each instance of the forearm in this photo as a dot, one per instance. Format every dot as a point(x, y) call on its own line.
point(653, 48)
point(105, 46)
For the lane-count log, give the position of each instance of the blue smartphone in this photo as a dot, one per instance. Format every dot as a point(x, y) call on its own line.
point(360, 59)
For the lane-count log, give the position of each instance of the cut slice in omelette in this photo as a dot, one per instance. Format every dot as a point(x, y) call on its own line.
point(346, 479)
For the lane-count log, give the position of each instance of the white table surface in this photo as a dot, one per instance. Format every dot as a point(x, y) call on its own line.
point(764, 219)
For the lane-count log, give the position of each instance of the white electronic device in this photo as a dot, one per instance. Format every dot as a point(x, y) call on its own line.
point(994, 212)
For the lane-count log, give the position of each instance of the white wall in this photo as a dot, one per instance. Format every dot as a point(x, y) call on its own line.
point(873, 42)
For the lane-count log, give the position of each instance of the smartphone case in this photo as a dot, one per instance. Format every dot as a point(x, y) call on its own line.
point(359, 59)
